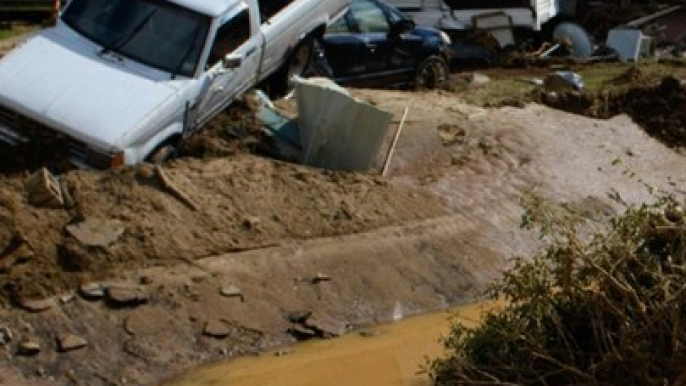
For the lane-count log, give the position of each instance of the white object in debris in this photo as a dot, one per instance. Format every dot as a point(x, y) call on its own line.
point(630, 44)
point(336, 130)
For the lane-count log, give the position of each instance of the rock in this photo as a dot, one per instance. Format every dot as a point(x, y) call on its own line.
point(283, 352)
point(92, 291)
point(28, 348)
point(126, 296)
point(67, 298)
point(71, 342)
point(216, 329)
point(96, 232)
point(326, 326)
point(252, 223)
point(232, 291)
point(43, 190)
point(5, 335)
point(299, 316)
point(301, 332)
point(41, 305)
point(320, 277)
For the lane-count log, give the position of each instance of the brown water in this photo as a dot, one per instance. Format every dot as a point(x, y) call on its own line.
point(386, 355)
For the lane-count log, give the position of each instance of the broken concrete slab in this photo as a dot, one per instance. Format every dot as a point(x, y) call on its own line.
point(43, 190)
point(337, 131)
point(94, 232)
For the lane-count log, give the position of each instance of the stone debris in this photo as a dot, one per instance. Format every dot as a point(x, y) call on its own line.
point(126, 296)
point(232, 291)
point(96, 232)
point(67, 298)
point(216, 329)
point(37, 305)
point(283, 352)
point(71, 342)
point(6, 336)
point(43, 190)
point(28, 348)
point(21, 254)
point(92, 291)
point(325, 326)
point(320, 277)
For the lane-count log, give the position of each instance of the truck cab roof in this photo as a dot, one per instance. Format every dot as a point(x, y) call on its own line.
point(211, 8)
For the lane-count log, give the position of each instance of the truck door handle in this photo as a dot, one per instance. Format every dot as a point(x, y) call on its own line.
point(250, 51)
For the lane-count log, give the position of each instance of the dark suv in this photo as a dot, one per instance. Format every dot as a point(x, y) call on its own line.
point(374, 44)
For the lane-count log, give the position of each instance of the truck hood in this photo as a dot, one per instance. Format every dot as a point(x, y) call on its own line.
point(63, 82)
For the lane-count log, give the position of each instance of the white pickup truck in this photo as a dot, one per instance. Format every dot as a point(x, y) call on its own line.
point(117, 82)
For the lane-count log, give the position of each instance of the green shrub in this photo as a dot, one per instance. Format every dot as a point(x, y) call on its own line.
point(606, 307)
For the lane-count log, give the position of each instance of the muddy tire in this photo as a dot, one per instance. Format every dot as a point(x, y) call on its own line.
point(433, 72)
point(163, 154)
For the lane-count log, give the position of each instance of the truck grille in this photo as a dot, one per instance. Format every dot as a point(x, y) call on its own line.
point(33, 139)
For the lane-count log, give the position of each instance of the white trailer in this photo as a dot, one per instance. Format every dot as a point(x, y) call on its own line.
point(461, 14)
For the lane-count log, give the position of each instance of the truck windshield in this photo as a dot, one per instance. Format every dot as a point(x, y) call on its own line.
point(157, 33)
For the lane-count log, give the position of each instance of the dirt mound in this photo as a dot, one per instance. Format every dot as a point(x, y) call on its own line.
point(659, 109)
point(238, 203)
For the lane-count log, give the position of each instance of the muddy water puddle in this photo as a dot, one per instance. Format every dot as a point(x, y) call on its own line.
point(386, 355)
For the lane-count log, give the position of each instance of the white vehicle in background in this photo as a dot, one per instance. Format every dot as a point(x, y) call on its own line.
point(117, 82)
point(500, 17)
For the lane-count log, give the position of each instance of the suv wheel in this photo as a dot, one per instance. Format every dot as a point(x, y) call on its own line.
point(433, 72)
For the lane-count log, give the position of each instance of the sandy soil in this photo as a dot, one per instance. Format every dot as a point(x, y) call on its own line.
point(264, 246)
point(282, 240)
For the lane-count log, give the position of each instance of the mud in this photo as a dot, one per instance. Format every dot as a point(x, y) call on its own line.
point(659, 108)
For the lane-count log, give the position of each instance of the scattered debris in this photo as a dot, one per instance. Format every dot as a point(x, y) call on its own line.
point(19, 252)
point(37, 305)
point(92, 291)
point(337, 131)
point(95, 232)
point(174, 190)
point(6, 336)
point(216, 328)
point(283, 352)
point(320, 277)
point(43, 190)
point(28, 347)
point(394, 143)
point(67, 298)
point(70, 342)
point(561, 81)
point(325, 326)
point(121, 295)
point(630, 43)
point(232, 291)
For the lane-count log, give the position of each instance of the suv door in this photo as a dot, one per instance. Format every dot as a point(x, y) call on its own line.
point(237, 35)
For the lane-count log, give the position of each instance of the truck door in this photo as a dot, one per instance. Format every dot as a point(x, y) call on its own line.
point(238, 35)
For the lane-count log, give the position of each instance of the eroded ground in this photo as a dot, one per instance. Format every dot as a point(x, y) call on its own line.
point(267, 252)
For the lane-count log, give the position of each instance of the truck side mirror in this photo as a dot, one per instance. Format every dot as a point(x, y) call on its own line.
point(232, 61)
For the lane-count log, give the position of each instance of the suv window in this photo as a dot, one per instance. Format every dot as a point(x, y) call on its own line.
point(230, 36)
point(269, 8)
point(369, 17)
